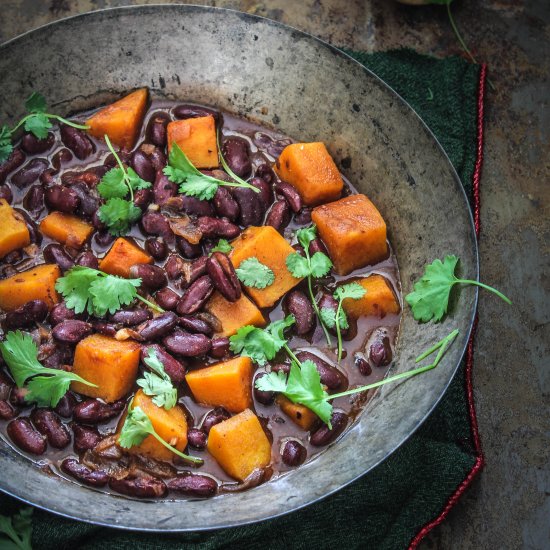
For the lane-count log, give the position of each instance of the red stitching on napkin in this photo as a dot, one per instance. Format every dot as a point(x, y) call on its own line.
point(480, 460)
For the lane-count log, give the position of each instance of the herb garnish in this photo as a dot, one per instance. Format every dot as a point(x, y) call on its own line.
point(18, 529)
point(157, 383)
point(91, 290)
point(191, 181)
point(252, 273)
point(46, 386)
point(37, 122)
point(138, 426)
point(430, 297)
point(222, 246)
point(118, 214)
point(317, 265)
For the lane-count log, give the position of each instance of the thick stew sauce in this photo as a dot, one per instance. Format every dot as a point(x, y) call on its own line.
point(185, 310)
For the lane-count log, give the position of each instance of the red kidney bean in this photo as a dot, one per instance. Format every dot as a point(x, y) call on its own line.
point(92, 411)
point(196, 296)
point(77, 141)
point(97, 223)
point(197, 438)
point(6, 384)
point(34, 311)
point(266, 194)
point(71, 331)
point(331, 377)
point(87, 259)
point(225, 205)
point(236, 152)
point(85, 437)
point(12, 258)
point(194, 485)
point(265, 172)
point(296, 303)
point(49, 424)
point(196, 325)
point(316, 245)
point(26, 437)
point(186, 344)
point(158, 326)
point(223, 276)
point(280, 367)
point(279, 215)
point(88, 204)
point(131, 317)
point(64, 199)
point(187, 249)
point(62, 355)
point(56, 254)
point(103, 238)
point(251, 207)
point(154, 223)
point(35, 146)
point(156, 128)
point(7, 410)
point(94, 478)
point(34, 233)
point(362, 364)
point(167, 299)
point(174, 267)
point(290, 194)
point(220, 347)
point(61, 157)
point(143, 198)
point(110, 161)
point(156, 156)
point(264, 397)
point(293, 453)
point(17, 397)
point(323, 436)
point(194, 111)
point(156, 248)
point(14, 161)
point(141, 487)
point(213, 417)
point(66, 405)
point(5, 193)
point(60, 312)
point(194, 206)
point(30, 172)
point(152, 276)
point(163, 188)
point(380, 353)
point(47, 177)
point(143, 166)
point(303, 217)
point(34, 200)
point(107, 329)
point(193, 270)
point(174, 368)
point(217, 227)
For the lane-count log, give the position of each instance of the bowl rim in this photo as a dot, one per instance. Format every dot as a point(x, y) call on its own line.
point(475, 253)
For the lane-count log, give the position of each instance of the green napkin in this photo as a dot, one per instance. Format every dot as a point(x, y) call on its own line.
point(386, 508)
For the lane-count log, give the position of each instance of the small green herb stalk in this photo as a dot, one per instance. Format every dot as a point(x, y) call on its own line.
point(18, 529)
point(158, 384)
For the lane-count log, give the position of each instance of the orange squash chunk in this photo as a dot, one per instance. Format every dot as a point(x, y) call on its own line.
point(110, 364)
point(240, 445)
point(122, 256)
point(378, 301)
point(300, 415)
point(196, 137)
point(13, 230)
point(171, 425)
point(227, 384)
point(353, 231)
point(310, 169)
point(121, 120)
point(37, 283)
point(270, 248)
point(66, 229)
point(234, 315)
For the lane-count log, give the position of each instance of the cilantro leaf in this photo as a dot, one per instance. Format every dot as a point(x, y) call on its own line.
point(157, 383)
point(38, 124)
point(48, 390)
point(272, 381)
point(350, 290)
point(328, 316)
point(36, 103)
point(18, 529)
point(222, 246)
point(110, 293)
point(306, 235)
point(135, 182)
point(252, 273)
point(6, 146)
point(112, 184)
point(320, 264)
point(298, 265)
point(75, 287)
point(119, 215)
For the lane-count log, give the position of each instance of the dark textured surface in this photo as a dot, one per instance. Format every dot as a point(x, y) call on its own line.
point(509, 506)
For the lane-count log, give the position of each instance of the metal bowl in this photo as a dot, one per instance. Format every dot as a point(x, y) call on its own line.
point(278, 77)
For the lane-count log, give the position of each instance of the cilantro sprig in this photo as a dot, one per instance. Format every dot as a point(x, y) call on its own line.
point(252, 273)
point(430, 298)
point(118, 213)
point(45, 386)
point(37, 122)
point(309, 266)
point(137, 426)
point(157, 383)
point(18, 528)
point(303, 385)
point(194, 183)
point(222, 246)
point(91, 290)
point(353, 291)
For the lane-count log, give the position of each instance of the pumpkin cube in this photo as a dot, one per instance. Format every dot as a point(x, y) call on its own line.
point(122, 256)
point(66, 229)
point(300, 415)
point(379, 299)
point(37, 283)
point(310, 169)
point(121, 120)
point(240, 445)
point(234, 315)
point(353, 231)
point(227, 384)
point(170, 425)
point(196, 137)
point(270, 248)
point(110, 364)
point(13, 230)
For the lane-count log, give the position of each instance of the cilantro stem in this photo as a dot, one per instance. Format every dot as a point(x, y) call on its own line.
point(240, 181)
point(486, 287)
point(49, 115)
point(291, 354)
point(338, 330)
point(150, 304)
point(192, 459)
point(436, 346)
point(121, 166)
